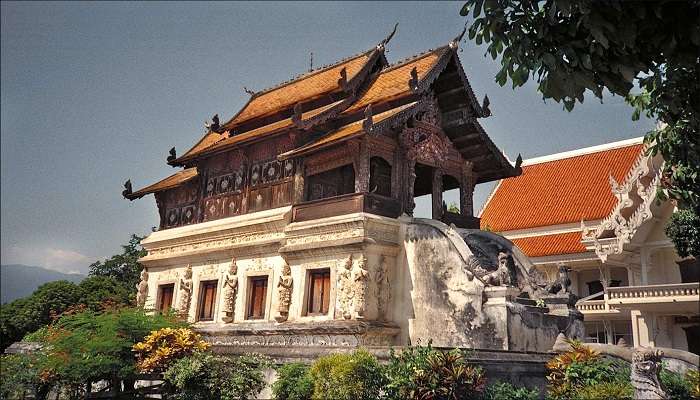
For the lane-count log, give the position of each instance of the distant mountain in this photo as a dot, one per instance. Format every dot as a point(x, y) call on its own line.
point(21, 280)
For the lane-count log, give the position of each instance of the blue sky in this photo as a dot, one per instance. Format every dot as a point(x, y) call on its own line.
point(95, 93)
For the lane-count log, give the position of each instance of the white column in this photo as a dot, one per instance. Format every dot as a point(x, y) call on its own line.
point(644, 254)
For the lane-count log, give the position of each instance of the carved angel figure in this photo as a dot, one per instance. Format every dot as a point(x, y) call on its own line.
point(142, 289)
point(284, 293)
point(359, 277)
point(345, 288)
point(230, 291)
point(382, 288)
point(186, 291)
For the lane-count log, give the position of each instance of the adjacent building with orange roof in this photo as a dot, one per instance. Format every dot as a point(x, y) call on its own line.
point(593, 211)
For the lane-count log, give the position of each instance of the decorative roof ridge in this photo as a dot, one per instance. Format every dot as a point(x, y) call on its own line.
point(414, 57)
point(311, 73)
point(128, 194)
point(584, 151)
point(378, 48)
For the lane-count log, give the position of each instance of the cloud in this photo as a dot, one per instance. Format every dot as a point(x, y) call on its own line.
point(62, 260)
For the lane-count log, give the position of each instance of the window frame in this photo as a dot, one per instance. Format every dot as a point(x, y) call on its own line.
point(201, 298)
point(159, 296)
point(308, 303)
point(249, 306)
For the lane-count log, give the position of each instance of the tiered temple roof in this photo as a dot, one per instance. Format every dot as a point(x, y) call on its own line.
point(352, 98)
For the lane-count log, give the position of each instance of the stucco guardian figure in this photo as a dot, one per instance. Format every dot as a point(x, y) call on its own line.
point(646, 365)
point(359, 276)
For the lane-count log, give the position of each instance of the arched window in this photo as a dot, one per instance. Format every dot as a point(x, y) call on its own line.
point(379, 176)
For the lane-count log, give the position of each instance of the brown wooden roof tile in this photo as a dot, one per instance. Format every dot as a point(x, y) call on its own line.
point(170, 182)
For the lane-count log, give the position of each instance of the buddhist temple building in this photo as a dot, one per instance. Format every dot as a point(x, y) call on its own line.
point(593, 211)
point(289, 225)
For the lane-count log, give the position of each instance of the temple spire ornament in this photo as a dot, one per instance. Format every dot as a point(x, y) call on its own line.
point(343, 81)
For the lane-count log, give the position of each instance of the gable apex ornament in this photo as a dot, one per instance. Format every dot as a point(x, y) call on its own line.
point(386, 40)
point(519, 162)
point(454, 44)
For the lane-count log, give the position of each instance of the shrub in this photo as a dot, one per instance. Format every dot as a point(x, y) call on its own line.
point(506, 391)
point(424, 372)
point(693, 379)
point(677, 387)
point(89, 346)
point(347, 376)
point(604, 391)
point(163, 346)
point(293, 382)
point(581, 367)
point(204, 376)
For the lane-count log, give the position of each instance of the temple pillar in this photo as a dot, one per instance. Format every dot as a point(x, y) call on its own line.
point(361, 164)
point(466, 189)
point(437, 194)
point(410, 179)
point(298, 188)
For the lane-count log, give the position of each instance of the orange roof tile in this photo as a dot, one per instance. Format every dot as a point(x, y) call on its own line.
point(305, 87)
point(167, 183)
point(560, 191)
point(346, 132)
point(393, 81)
point(224, 140)
point(550, 245)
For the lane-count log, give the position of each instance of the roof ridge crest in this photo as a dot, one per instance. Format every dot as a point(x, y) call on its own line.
point(583, 151)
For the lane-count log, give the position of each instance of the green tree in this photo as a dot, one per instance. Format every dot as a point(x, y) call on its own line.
point(123, 267)
point(574, 46)
point(30, 313)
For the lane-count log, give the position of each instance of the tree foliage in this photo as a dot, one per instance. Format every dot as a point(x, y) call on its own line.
point(123, 267)
point(574, 46)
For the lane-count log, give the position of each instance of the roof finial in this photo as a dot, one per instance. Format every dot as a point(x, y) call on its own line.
point(455, 42)
point(518, 161)
point(368, 123)
point(250, 92)
point(343, 81)
point(485, 111)
point(296, 115)
point(386, 40)
point(413, 82)
point(172, 156)
point(127, 189)
point(311, 63)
